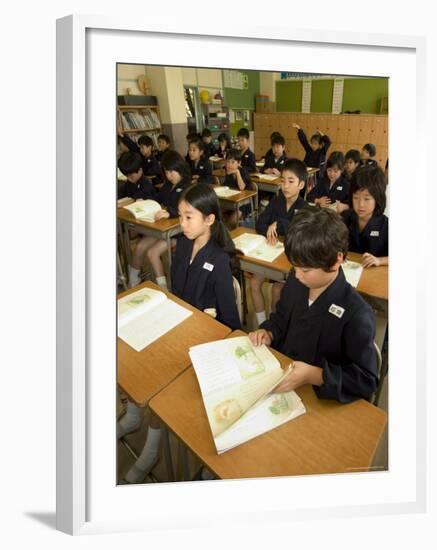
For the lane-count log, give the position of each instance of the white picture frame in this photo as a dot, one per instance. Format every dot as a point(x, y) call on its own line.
point(87, 500)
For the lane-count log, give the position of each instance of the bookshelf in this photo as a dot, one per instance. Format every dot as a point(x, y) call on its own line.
point(139, 119)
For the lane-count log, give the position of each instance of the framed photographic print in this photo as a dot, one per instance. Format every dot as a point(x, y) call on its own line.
point(125, 93)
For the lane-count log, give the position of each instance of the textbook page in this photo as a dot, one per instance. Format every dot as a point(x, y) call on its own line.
point(256, 246)
point(272, 411)
point(267, 177)
point(144, 209)
point(225, 191)
point(352, 272)
point(146, 315)
point(233, 375)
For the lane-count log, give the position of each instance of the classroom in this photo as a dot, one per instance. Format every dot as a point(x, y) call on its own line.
point(252, 274)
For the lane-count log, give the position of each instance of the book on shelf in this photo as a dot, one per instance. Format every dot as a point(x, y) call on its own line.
point(146, 315)
point(236, 381)
point(144, 209)
point(256, 246)
point(224, 191)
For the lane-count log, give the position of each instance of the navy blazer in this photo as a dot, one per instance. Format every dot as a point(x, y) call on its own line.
point(151, 166)
point(317, 158)
point(168, 196)
point(338, 192)
point(272, 162)
point(248, 161)
point(231, 180)
point(335, 333)
point(207, 282)
point(372, 239)
point(276, 211)
point(210, 149)
point(143, 189)
point(202, 169)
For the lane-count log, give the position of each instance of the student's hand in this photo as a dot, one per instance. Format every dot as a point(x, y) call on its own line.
point(260, 337)
point(369, 260)
point(341, 207)
point(320, 133)
point(161, 215)
point(296, 126)
point(275, 172)
point(272, 234)
point(323, 201)
point(195, 178)
point(268, 171)
point(301, 374)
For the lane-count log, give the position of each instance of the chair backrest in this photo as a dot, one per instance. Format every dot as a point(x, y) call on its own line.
point(375, 397)
point(237, 292)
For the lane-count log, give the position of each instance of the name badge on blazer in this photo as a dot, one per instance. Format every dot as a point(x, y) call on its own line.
point(208, 266)
point(340, 188)
point(374, 233)
point(246, 156)
point(179, 189)
point(200, 167)
point(336, 310)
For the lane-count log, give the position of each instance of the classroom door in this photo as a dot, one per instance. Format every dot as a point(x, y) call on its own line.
point(193, 110)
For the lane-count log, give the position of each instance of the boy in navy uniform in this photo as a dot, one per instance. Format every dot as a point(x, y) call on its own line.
point(136, 186)
point(274, 162)
point(237, 177)
point(321, 322)
point(315, 150)
point(151, 166)
point(210, 150)
point(163, 146)
point(248, 159)
point(368, 153)
point(333, 188)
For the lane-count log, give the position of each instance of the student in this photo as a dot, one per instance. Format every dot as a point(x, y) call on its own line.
point(321, 322)
point(352, 161)
point(178, 177)
point(210, 150)
point(163, 146)
point(224, 145)
point(273, 222)
point(237, 177)
point(269, 153)
point(199, 165)
point(151, 167)
point(332, 188)
point(366, 222)
point(368, 153)
point(201, 275)
point(137, 186)
point(274, 162)
point(315, 150)
point(248, 160)
point(201, 270)
point(191, 137)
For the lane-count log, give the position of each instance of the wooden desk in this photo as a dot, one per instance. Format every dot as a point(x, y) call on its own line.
point(142, 374)
point(162, 229)
point(269, 186)
point(329, 438)
point(235, 201)
point(373, 281)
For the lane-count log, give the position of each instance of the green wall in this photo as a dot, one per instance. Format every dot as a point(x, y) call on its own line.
point(289, 95)
point(243, 99)
point(321, 96)
point(364, 94)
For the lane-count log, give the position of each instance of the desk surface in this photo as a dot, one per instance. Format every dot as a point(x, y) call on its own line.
point(241, 196)
point(142, 374)
point(329, 438)
point(161, 225)
point(373, 280)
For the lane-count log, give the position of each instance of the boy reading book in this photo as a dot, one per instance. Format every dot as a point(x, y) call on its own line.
point(321, 322)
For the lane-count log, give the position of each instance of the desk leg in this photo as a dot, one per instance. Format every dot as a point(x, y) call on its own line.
point(167, 452)
point(169, 260)
point(244, 290)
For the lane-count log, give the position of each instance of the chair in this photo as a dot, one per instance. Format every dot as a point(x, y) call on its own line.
point(375, 397)
point(237, 292)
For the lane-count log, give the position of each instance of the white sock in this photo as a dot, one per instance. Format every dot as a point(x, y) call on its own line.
point(134, 278)
point(147, 458)
point(130, 421)
point(260, 317)
point(162, 282)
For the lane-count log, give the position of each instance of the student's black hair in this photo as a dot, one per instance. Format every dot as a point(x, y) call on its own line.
point(225, 137)
point(234, 154)
point(273, 135)
point(371, 178)
point(336, 158)
point(206, 132)
point(354, 155)
point(370, 148)
point(278, 139)
point(199, 143)
point(145, 140)
point(172, 160)
point(192, 135)
point(316, 137)
point(201, 197)
point(164, 137)
point(298, 167)
point(130, 163)
point(243, 132)
point(315, 237)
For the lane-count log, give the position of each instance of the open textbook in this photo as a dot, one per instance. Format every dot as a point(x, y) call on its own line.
point(145, 315)
point(144, 209)
point(352, 272)
point(224, 191)
point(256, 246)
point(235, 380)
point(267, 177)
